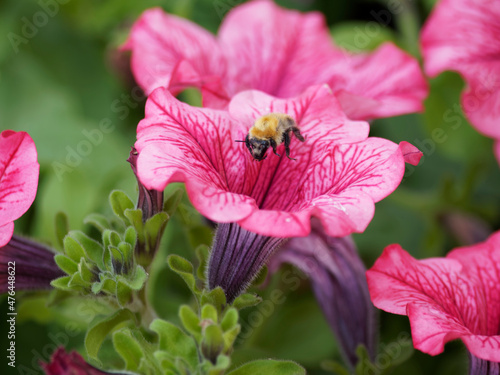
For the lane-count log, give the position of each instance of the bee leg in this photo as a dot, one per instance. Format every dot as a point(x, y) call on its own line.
point(286, 138)
point(296, 132)
point(274, 145)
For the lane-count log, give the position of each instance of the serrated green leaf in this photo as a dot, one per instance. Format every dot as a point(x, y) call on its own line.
point(73, 249)
point(61, 227)
point(166, 361)
point(105, 285)
point(114, 238)
point(120, 202)
point(269, 367)
point(98, 332)
point(98, 221)
point(93, 249)
point(246, 300)
point(190, 321)
point(66, 264)
point(175, 342)
point(172, 200)
point(61, 283)
point(128, 348)
point(209, 312)
point(230, 319)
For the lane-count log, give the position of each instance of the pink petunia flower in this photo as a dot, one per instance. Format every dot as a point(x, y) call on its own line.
point(464, 36)
point(456, 297)
point(338, 176)
point(278, 51)
point(18, 179)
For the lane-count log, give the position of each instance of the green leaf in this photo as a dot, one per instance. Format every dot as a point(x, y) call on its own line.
point(230, 319)
point(131, 236)
point(209, 312)
point(77, 280)
point(172, 200)
point(129, 349)
point(73, 249)
point(154, 228)
point(202, 253)
point(269, 367)
point(175, 342)
point(190, 321)
point(98, 332)
point(123, 293)
point(134, 216)
point(92, 248)
point(61, 283)
point(140, 277)
point(212, 343)
point(230, 337)
point(127, 250)
point(120, 202)
point(184, 269)
point(246, 300)
point(85, 271)
point(98, 221)
point(216, 297)
point(62, 227)
point(66, 264)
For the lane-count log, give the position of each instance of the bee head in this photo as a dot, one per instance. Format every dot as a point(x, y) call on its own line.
point(259, 148)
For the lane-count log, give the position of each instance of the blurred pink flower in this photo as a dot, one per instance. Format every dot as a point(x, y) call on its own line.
point(445, 298)
point(268, 48)
point(464, 36)
point(18, 179)
point(338, 176)
point(63, 363)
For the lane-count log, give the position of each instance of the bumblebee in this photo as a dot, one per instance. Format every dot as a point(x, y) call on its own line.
point(271, 130)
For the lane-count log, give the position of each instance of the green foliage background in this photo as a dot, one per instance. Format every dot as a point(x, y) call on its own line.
point(68, 78)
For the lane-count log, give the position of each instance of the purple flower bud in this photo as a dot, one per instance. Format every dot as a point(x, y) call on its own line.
point(31, 264)
point(338, 279)
point(236, 258)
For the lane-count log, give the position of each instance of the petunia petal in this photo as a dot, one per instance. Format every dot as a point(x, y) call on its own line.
point(385, 83)
point(396, 280)
point(168, 51)
point(462, 35)
point(6, 232)
point(18, 177)
point(275, 50)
